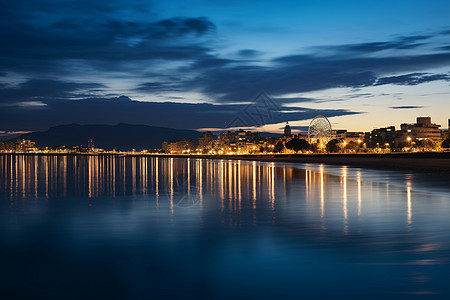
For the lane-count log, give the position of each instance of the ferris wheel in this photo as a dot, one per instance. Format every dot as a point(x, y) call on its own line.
point(319, 131)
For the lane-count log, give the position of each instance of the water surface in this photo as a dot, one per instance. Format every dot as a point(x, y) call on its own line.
point(74, 227)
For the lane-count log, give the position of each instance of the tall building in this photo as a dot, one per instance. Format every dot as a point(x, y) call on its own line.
point(91, 144)
point(287, 130)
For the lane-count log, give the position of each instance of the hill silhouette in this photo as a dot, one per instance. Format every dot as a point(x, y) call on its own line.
point(119, 137)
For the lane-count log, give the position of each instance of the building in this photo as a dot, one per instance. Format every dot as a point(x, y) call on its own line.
point(204, 142)
point(25, 145)
point(421, 130)
point(339, 134)
point(20, 146)
point(287, 130)
point(357, 137)
point(7, 146)
point(179, 147)
point(380, 137)
point(239, 136)
point(91, 144)
point(348, 136)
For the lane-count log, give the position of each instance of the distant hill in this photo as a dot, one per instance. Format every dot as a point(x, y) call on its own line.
point(120, 137)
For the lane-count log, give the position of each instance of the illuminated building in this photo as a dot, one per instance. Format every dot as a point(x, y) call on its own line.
point(421, 130)
point(381, 136)
point(179, 147)
point(204, 142)
point(91, 143)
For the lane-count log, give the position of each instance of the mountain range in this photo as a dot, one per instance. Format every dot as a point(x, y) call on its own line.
point(119, 137)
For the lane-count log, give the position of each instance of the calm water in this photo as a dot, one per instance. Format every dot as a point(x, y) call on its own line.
point(140, 227)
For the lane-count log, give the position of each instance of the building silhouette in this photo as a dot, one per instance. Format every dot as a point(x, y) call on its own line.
point(287, 130)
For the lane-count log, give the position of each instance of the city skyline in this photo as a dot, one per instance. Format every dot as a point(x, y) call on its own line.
point(198, 65)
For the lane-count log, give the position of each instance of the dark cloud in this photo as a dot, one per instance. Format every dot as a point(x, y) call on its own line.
point(304, 73)
point(249, 53)
point(282, 100)
point(124, 110)
point(150, 87)
point(407, 107)
point(45, 88)
point(40, 38)
point(176, 27)
point(412, 79)
point(208, 62)
point(405, 42)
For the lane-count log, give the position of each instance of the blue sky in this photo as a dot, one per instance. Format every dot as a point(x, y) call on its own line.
point(198, 64)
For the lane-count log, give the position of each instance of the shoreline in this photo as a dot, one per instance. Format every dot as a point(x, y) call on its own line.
point(425, 162)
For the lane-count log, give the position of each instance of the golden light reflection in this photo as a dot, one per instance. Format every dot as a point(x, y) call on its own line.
point(221, 183)
point(254, 184)
point(272, 185)
point(171, 184)
point(239, 184)
point(307, 185)
point(344, 197)
point(35, 165)
point(230, 184)
point(124, 173)
point(157, 180)
point(133, 174)
point(322, 193)
point(236, 185)
point(409, 202)
point(89, 177)
point(358, 180)
point(200, 185)
point(65, 175)
point(114, 175)
point(189, 178)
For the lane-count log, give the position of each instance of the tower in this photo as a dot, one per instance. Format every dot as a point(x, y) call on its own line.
point(287, 130)
point(91, 144)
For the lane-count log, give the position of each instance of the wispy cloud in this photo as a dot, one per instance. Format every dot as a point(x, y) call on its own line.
point(407, 107)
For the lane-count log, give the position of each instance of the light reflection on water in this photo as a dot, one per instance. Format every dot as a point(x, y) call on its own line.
point(154, 226)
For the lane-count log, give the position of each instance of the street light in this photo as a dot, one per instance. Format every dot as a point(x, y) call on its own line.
point(409, 141)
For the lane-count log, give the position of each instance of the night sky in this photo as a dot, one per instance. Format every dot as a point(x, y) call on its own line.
point(198, 64)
